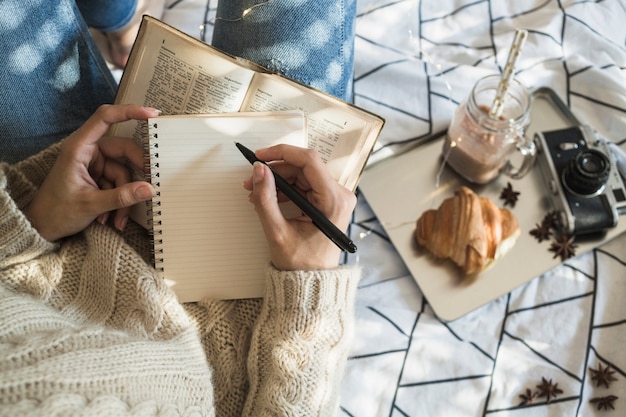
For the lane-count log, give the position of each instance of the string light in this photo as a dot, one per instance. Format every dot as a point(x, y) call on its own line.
point(244, 13)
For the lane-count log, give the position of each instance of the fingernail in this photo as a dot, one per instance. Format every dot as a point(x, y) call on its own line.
point(143, 192)
point(154, 110)
point(123, 223)
point(258, 172)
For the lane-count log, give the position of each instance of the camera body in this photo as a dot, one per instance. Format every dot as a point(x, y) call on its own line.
point(584, 183)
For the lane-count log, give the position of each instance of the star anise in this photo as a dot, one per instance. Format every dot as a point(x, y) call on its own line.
point(552, 219)
point(602, 376)
point(509, 195)
point(541, 231)
point(528, 397)
point(604, 403)
point(563, 246)
point(548, 389)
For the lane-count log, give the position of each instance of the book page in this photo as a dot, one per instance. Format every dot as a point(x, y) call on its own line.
point(178, 74)
point(338, 131)
point(208, 239)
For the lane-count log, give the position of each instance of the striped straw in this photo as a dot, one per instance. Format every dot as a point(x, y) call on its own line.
point(516, 47)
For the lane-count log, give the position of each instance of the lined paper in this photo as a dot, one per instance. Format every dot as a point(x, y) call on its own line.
point(212, 241)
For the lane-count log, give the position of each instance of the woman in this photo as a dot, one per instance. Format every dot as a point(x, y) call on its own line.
point(86, 325)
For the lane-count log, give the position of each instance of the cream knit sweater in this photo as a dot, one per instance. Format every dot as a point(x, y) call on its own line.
point(86, 328)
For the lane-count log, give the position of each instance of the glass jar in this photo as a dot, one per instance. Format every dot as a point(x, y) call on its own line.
point(480, 147)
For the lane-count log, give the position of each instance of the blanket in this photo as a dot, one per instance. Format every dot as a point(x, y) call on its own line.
point(544, 348)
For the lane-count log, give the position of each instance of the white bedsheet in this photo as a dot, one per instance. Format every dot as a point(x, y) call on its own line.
point(415, 60)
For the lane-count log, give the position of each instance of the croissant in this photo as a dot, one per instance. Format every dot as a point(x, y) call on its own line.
point(470, 230)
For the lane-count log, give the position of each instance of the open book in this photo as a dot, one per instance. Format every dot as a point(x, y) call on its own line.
point(179, 75)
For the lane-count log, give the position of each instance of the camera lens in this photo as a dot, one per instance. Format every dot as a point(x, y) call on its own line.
point(587, 172)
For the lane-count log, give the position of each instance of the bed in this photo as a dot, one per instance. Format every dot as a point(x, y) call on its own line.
point(553, 346)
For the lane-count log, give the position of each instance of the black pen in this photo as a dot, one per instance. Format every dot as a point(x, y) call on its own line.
point(326, 226)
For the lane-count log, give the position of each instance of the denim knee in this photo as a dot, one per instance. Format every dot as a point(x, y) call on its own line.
point(311, 41)
point(52, 79)
point(107, 15)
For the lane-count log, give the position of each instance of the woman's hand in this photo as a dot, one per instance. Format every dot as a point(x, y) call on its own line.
point(88, 179)
point(297, 244)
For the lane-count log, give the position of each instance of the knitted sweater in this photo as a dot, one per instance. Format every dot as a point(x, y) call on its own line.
point(87, 328)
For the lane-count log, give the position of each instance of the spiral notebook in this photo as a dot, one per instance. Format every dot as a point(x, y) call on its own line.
point(208, 241)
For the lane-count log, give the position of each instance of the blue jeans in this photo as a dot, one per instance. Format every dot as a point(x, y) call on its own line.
point(311, 41)
point(107, 15)
point(52, 76)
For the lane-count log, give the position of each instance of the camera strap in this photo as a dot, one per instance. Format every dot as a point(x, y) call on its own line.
point(620, 158)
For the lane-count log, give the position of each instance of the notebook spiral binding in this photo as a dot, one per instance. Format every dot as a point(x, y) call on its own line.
point(153, 209)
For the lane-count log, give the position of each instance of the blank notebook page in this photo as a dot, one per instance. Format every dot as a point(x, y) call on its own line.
point(208, 240)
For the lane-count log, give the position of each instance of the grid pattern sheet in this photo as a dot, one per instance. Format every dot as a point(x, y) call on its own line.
point(415, 61)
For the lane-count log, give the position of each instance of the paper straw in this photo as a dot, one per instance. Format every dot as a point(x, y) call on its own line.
point(516, 47)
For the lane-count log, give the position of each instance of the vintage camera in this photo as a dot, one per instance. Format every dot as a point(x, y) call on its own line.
point(583, 179)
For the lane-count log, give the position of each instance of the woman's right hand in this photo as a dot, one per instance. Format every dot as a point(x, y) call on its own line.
point(297, 244)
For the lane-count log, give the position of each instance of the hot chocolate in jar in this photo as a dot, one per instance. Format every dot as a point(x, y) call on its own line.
point(482, 138)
